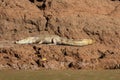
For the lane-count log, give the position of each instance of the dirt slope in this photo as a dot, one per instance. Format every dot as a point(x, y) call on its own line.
point(76, 19)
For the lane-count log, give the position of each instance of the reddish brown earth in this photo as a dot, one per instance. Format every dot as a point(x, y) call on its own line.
point(95, 19)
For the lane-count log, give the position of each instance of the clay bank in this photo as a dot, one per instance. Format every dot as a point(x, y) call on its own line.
point(98, 20)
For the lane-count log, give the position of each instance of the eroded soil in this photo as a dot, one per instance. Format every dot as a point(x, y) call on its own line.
point(78, 19)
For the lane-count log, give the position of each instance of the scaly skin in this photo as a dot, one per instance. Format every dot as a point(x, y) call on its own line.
point(54, 39)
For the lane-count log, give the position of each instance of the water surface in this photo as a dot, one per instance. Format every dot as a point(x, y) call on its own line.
point(61, 75)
